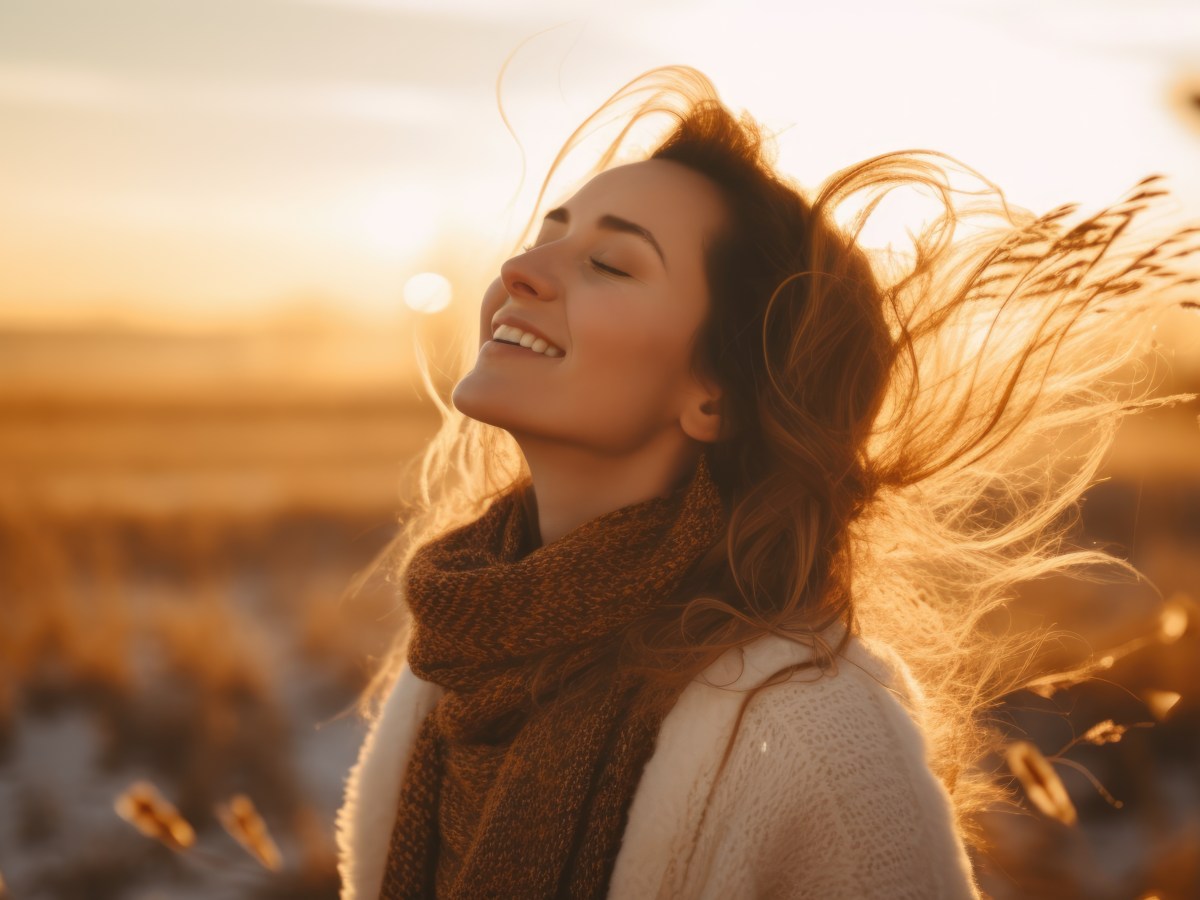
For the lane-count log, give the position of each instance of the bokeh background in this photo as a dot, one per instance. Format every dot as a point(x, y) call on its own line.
point(210, 212)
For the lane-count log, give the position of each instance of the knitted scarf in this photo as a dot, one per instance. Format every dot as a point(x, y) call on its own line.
point(505, 797)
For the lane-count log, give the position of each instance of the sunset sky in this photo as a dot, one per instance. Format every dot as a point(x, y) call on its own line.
point(211, 161)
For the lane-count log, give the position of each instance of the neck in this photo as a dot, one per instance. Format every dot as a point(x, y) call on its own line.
point(573, 485)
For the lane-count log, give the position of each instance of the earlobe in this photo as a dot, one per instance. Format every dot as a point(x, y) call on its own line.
point(701, 420)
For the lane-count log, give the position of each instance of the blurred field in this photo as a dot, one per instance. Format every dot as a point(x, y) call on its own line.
point(179, 517)
point(180, 514)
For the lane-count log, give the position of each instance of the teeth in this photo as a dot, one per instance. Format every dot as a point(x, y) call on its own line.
point(527, 340)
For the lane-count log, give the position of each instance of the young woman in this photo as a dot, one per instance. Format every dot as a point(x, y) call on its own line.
point(710, 528)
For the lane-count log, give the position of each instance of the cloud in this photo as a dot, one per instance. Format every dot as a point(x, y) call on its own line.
point(473, 9)
point(62, 85)
point(58, 85)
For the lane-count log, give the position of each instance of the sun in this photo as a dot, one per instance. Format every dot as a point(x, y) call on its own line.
point(427, 292)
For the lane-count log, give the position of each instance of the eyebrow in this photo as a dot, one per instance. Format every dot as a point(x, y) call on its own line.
point(612, 223)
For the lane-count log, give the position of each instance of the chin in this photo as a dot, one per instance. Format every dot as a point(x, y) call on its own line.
point(462, 399)
point(470, 400)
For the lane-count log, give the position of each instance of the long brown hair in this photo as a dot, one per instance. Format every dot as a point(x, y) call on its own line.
point(904, 434)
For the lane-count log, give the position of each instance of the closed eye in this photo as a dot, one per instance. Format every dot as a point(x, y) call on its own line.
point(596, 264)
point(609, 269)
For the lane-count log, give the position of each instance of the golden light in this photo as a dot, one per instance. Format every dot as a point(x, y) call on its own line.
point(427, 292)
point(336, 168)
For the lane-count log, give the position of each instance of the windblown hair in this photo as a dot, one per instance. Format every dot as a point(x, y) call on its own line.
point(905, 435)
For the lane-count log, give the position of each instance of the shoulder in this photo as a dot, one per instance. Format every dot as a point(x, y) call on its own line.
point(828, 793)
point(866, 699)
point(867, 693)
point(850, 734)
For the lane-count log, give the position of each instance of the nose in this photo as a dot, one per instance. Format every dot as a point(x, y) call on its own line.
point(525, 276)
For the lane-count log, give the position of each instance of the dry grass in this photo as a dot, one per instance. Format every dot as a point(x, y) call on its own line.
point(183, 642)
point(172, 570)
point(182, 645)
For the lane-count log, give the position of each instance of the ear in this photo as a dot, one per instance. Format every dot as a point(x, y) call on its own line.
point(701, 416)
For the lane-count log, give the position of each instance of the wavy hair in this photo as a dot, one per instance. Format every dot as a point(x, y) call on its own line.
point(905, 435)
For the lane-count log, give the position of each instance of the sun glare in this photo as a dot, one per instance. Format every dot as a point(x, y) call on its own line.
point(427, 292)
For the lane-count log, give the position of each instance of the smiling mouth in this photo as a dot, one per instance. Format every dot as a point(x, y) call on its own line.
point(520, 346)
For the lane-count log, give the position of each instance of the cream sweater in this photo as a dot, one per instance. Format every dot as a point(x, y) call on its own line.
point(827, 793)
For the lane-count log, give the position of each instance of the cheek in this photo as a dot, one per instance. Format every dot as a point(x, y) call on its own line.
point(629, 344)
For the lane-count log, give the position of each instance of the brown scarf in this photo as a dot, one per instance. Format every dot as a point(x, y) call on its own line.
point(503, 797)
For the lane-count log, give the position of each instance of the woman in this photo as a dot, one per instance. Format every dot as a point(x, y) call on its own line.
point(723, 499)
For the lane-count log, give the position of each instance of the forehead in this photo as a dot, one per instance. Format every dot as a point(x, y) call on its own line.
point(679, 205)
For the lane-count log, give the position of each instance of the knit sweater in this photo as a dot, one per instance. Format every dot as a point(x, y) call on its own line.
point(826, 794)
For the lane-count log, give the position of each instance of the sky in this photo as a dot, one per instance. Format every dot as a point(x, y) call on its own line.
point(189, 162)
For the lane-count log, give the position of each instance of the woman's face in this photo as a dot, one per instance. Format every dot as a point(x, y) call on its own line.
point(616, 282)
